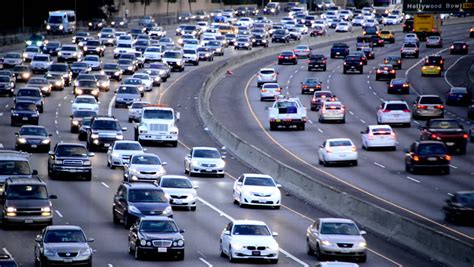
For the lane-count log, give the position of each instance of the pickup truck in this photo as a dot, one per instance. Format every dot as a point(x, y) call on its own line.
point(340, 50)
point(287, 112)
point(449, 131)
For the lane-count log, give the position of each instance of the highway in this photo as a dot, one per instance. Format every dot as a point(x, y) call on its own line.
point(89, 204)
point(380, 176)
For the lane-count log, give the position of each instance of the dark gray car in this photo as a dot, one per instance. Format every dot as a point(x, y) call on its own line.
point(30, 94)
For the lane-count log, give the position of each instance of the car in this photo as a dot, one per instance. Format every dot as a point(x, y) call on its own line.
point(343, 26)
point(434, 41)
point(378, 136)
point(411, 38)
point(385, 72)
point(15, 164)
point(458, 96)
point(24, 113)
point(135, 111)
point(317, 31)
point(70, 159)
point(40, 63)
point(317, 62)
point(133, 201)
point(113, 71)
point(398, 85)
point(21, 73)
point(103, 82)
point(329, 237)
point(55, 81)
point(30, 52)
point(32, 138)
point(249, 239)
point(32, 94)
point(337, 150)
point(52, 48)
point(409, 50)
point(353, 63)
point(181, 191)
point(40, 83)
point(388, 36)
point(7, 260)
point(63, 244)
point(267, 75)
point(205, 54)
point(204, 160)
point(458, 207)
point(287, 56)
point(428, 106)
point(339, 50)
point(408, 25)
point(12, 59)
point(394, 112)
point(94, 47)
point(430, 69)
point(270, 91)
point(368, 51)
point(143, 167)
point(79, 67)
point(427, 155)
point(302, 51)
point(69, 53)
point(146, 80)
point(310, 85)
point(103, 132)
point(319, 97)
point(217, 48)
point(157, 236)
point(174, 59)
point(121, 151)
point(280, 36)
point(87, 87)
point(449, 131)
point(163, 69)
point(85, 102)
point(459, 47)
point(126, 95)
point(243, 42)
point(377, 41)
point(395, 61)
point(77, 118)
point(332, 111)
point(294, 33)
point(436, 60)
point(79, 38)
point(26, 201)
point(92, 61)
point(7, 86)
point(256, 190)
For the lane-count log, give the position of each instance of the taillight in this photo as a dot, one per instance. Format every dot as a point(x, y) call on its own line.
point(434, 136)
point(386, 110)
point(371, 136)
point(421, 107)
point(392, 71)
point(354, 149)
point(280, 57)
point(406, 110)
point(324, 61)
point(416, 158)
point(439, 106)
point(465, 136)
point(361, 63)
point(448, 157)
point(392, 135)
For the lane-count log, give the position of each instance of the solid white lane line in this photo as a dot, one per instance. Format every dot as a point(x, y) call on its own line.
point(378, 164)
point(110, 265)
point(221, 213)
point(452, 166)
point(58, 213)
point(104, 184)
point(310, 121)
point(112, 102)
point(350, 112)
point(413, 179)
point(361, 120)
point(55, 122)
point(450, 67)
point(6, 251)
point(450, 194)
point(417, 122)
point(205, 262)
point(319, 130)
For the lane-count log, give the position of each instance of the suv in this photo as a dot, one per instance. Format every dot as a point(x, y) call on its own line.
point(427, 155)
point(94, 47)
point(428, 106)
point(409, 49)
point(103, 132)
point(6, 260)
point(14, 164)
point(156, 235)
point(317, 62)
point(353, 63)
point(339, 50)
point(449, 131)
point(267, 75)
point(26, 201)
point(394, 112)
point(137, 200)
point(408, 25)
point(71, 159)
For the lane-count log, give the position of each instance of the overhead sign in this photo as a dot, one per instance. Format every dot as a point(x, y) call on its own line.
point(437, 6)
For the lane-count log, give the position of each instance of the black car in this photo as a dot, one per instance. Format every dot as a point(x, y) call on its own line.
point(94, 47)
point(369, 52)
point(6, 260)
point(52, 48)
point(103, 82)
point(377, 41)
point(408, 25)
point(7, 85)
point(24, 112)
point(127, 66)
point(36, 39)
point(119, 22)
point(97, 24)
point(310, 85)
point(103, 132)
point(80, 37)
point(133, 201)
point(399, 85)
point(427, 155)
point(385, 72)
point(459, 47)
point(79, 67)
point(113, 71)
point(281, 36)
point(287, 57)
point(78, 117)
point(339, 50)
point(353, 63)
point(185, 17)
point(317, 62)
point(87, 87)
point(241, 11)
point(141, 45)
point(448, 131)
point(22, 73)
point(259, 40)
point(56, 81)
point(61, 69)
point(395, 61)
point(72, 159)
point(319, 97)
point(156, 236)
point(459, 207)
point(31, 137)
point(362, 56)
point(205, 54)
point(32, 94)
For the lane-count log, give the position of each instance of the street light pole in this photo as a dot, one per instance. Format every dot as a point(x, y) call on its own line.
point(23, 15)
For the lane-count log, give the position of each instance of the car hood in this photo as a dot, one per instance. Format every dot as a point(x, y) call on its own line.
point(260, 189)
point(157, 235)
point(127, 152)
point(343, 238)
point(65, 247)
point(208, 161)
point(150, 206)
point(179, 191)
point(147, 167)
point(249, 240)
point(38, 137)
point(27, 203)
point(128, 96)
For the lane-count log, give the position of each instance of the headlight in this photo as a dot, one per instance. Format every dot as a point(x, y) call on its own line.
point(11, 209)
point(115, 155)
point(58, 162)
point(25, 75)
point(237, 246)
point(180, 242)
point(119, 137)
point(87, 162)
point(143, 242)
point(95, 92)
point(29, 42)
point(94, 136)
point(46, 209)
point(85, 252)
point(85, 48)
point(25, 55)
point(21, 140)
point(75, 123)
point(61, 27)
point(48, 27)
point(133, 209)
point(48, 252)
point(79, 91)
point(194, 162)
point(45, 141)
point(45, 88)
point(273, 246)
point(326, 243)
point(97, 49)
point(362, 244)
point(221, 164)
point(130, 68)
point(90, 23)
point(57, 83)
point(167, 210)
point(117, 73)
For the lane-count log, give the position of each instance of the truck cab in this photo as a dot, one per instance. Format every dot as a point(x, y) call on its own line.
point(61, 22)
point(158, 124)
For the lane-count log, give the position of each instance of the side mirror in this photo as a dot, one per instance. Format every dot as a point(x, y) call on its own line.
point(362, 132)
point(362, 232)
point(98, 102)
point(17, 134)
point(226, 232)
point(145, 149)
point(178, 116)
point(279, 185)
point(50, 134)
point(53, 197)
point(124, 129)
point(51, 153)
point(196, 186)
point(164, 163)
point(274, 234)
point(223, 157)
point(181, 231)
point(90, 240)
point(239, 183)
point(34, 172)
point(38, 238)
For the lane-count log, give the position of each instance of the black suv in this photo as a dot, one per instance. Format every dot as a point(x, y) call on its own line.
point(427, 155)
point(340, 50)
point(408, 25)
point(133, 201)
point(26, 201)
point(71, 159)
point(94, 47)
point(103, 132)
point(353, 63)
point(157, 236)
point(24, 112)
point(460, 207)
point(317, 62)
point(78, 116)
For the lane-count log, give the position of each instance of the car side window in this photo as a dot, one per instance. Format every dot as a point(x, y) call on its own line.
point(229, 226)
point(241, 179)
point(324, 144)
point(191, 153)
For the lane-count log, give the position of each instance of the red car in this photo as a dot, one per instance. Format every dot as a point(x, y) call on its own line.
point(318, 31)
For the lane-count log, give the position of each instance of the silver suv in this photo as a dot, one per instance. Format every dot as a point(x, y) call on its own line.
point(267, 75)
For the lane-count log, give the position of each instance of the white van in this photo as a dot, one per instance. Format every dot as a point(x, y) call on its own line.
point(61, 21)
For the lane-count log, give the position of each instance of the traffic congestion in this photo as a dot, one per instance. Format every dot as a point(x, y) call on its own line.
point(105, 160)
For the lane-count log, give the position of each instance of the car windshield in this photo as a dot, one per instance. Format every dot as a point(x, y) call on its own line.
point(21, 191)
point(431, 100)
point(146, 160)
point(64, 236)
point(158, 114)
point(141, 76)
point(85, 83)
point(106, 125)
point(84, 114)
point(459, 90)
point(39, 131)
point(147, 195)
point(79, 65)
point(123, 45)
point(311, 80)
point(71, 151)
point(175, 183)
point(13, 55)
point(399, 106)
point(40, 58)
point(153, 49)
point(206, 153)
point(430, 149)
point(340, 143)
point(158, 227)
point(14, 167)
point(37, 81)
point(4, 79)
point(111, 67)
point(85, 100)
point(133, 81)
point(25, 106)
point(249, 229)
point(138, 105)
point(127, 146)
point(339, 228)
point(128, 90)
point(31, 49)
point(124, 62)
point(58, 67)
point(55, 19)
point(445, 124)
point(68, 48)
point(87, 58)
point(29, 92)
point(93, 43)
point(172, 55)
point(259, 181)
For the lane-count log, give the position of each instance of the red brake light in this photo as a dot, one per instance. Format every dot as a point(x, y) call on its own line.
point(448, 157)
point(280, 57)
point(324, 61)
point(440, 106)
point(386, 110)
point(465, 136)
point(421, 107)
point(392, 71)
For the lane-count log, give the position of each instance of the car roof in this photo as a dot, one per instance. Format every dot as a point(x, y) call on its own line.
point(126, 142)
point(157, 218)
point(381, 126)
point(25, 181)
point(141, 185)
point(204, 148)
point(63, 227)
point(395, 102)
point(256, 175)
point(70, 144)
point(338, 139)
point(171, 176)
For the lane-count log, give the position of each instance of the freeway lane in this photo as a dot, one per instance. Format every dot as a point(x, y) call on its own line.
point(382, 176)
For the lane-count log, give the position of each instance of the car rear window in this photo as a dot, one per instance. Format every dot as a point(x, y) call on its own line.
point(267, 71)
point(381, 131)
point(396, 107)
point(445, 124)
point(431, 100)
point(429, 149)
point(340, 143)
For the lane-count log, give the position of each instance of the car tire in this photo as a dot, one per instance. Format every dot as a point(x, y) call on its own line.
point(180, 257)
point(318, 254)
point(354, 163)
point(137, 255)
point(193, 208)
point(174, 143)
point(273, 261)
point(222, 254)
point(116, 220)
point(309, 250)
point(273, 126)
point(231, 259)
point(446, 170)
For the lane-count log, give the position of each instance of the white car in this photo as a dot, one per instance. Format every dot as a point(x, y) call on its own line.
point(343, 27)
point(123, 49)
point(337, 150)
point(332, 111)
point(391, 20)
point(358, 21)
point(147, 81)
point(320, 23)
point(204, 160)
point(120, 153)
point(270, 91)
point(40, 63)
point(191, 56)
point(93, 61)
point(378, 136)
point(411, 38)
point(256, 190)
point(152, 53)
point(180, 190)
point(370, 23)
point(191, 44)
point(394, 112)
point(30, 52)
point(156, 33)
point(302, 28)
point(203, 25)
point(249, 239)
point(135, 111)
point(144, 167)
point(302, 51)
point(125, 39)
point(267, 75)
point(85, 102)
point(245, 21)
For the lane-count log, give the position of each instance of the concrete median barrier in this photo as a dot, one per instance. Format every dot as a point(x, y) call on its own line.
point(407, 232)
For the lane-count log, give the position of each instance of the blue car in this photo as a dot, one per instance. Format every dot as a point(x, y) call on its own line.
point(458, 96)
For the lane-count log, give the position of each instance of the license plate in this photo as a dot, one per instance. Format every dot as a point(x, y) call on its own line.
point(34, 146)
point(162, 250)
point(28, 221)
point(344, 250)
point(107, 145)
point(450, 143)
point(278, 120)
point(262, 201)
point(178, 201)
point(24, 118)
point(342, 155)
point(67, 260)
point(396, 115)
point(352, 67)
point(209, 170)
point(256, 253)
point(72, 170)
point(432, 159)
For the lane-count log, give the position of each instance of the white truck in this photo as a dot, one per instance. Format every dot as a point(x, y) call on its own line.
point(287, 112)
point(61, 21)
point(158, 124)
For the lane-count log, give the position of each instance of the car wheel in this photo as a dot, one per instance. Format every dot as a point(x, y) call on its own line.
point(318, 254)
point(116, 220)
point(354, 163)
point(363, 258)
point(446, 170)
point(193, 208)
point(222, 254)
point(174, 143)
point(325, 163)
point(273, 261)
point(88, 176)
point(231, 259)
point(180, 257)
point(130, 120)
point(137, 255)
point(309, 250)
